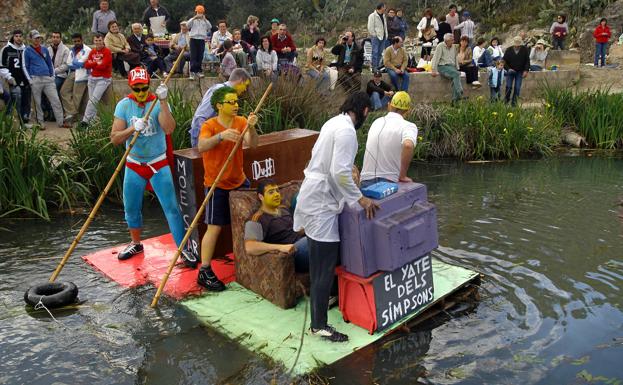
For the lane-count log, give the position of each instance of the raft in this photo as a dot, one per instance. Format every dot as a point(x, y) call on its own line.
point(257, 324)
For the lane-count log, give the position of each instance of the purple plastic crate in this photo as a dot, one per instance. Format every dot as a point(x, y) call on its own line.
point(403, 230)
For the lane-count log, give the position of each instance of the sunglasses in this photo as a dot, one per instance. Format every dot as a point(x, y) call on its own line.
point(140, 89)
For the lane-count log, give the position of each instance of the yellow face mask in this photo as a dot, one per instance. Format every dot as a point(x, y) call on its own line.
point(272, 197)
point(229, 106)
point(140, 92)
point(242, 87)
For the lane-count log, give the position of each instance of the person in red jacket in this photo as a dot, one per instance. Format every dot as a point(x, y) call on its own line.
point(283, 44)
point(602, 35)
point(99, 62)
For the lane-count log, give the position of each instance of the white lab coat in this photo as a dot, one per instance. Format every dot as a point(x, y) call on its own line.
point(328, 183)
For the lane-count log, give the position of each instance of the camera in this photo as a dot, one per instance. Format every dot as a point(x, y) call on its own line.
point(345, 38)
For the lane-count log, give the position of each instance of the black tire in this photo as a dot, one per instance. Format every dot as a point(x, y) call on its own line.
point(52, 295)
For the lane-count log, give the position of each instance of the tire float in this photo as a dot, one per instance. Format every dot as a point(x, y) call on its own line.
point(52, 295)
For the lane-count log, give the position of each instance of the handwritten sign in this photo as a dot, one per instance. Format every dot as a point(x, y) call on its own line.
point(403, 291)
point(185, 186)
point(263, 169)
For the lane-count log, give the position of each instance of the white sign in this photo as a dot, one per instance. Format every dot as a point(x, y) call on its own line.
point(263, 169)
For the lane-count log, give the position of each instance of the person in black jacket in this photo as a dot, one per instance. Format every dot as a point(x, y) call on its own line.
point(444, 27)
point(12, 58)
point(154, 10)
point(349, 62)
point(379, 92)
point(251, 34)
point(517, 60)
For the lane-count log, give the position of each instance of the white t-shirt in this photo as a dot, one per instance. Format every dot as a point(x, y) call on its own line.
point(477, 53)
point(384, 146)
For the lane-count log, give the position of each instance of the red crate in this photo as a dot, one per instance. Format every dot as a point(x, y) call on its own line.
point(356, 299)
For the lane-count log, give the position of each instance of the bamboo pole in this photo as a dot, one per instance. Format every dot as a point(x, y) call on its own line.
point(193, 224)
point(100, 200)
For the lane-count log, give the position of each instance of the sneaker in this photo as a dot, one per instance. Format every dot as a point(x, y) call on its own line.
point(28, 126)
point(131, 250)
point(332, 301)
point(329, 333)
point(208, 279)
point(476, 84)
point(192, 76)
point(200, 74)
point(189, 259)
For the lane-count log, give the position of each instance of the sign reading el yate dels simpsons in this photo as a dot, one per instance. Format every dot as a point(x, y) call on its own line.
point(403, 291)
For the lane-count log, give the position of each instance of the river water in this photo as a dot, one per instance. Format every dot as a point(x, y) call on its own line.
point(547, 235)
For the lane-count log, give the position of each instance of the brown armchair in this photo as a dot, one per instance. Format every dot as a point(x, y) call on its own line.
point(270, 275)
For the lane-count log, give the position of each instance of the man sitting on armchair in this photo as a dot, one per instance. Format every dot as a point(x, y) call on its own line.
point(270, 228)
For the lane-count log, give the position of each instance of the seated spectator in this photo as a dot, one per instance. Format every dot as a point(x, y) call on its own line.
point(466, 62)
point(120, 48)
point(316, 66)
point(559, 31)
point(444, 27)
point(178, 42)
point(395, 59)
point(270, 228)
point(102, 17)
point(228, 64)
point(283, 44)
point(219, 37)
point(427, 28)
point(266, 60)
point(199, 27)
point(538, 54)
point(154, 60)
point(74, 88)
point(241, 49)
point(349, 62)
point(496, 76)
point(251, 34)
point(274, 28)
point(380, 92)
point(445, 63)
point(495, 49)
point(137, 41)
point(481, 55)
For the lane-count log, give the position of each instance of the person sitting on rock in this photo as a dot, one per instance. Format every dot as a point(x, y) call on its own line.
point(538, 55)
point(270, 228)
point(445, 63)
point(396, 58)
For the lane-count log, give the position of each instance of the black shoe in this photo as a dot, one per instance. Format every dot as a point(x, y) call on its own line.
point(131, 250)
point(208, 279)
point(189, 259)
point(329, 333)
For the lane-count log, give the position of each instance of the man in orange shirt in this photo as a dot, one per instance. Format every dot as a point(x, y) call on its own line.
point(217, 139)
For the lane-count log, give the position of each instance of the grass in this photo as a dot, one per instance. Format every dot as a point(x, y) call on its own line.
point(595, 114)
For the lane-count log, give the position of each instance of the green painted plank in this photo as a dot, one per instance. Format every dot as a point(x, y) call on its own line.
point(267, 329)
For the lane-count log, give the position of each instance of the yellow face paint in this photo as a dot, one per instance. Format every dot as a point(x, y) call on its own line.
point(272, 197)
point(141, 92)
point(242, 87)
point(229, 107)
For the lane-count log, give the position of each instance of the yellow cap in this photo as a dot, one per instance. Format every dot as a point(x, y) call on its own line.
point(401, 100)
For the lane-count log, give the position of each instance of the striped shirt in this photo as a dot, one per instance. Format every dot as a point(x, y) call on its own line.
point(467, 28)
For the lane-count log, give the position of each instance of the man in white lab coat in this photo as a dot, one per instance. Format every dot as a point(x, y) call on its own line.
point(328, 185)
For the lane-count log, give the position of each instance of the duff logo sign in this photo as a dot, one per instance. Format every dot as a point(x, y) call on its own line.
point(403, 291)
point(263, 168)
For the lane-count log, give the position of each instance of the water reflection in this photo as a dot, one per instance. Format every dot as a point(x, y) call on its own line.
point(547, 236)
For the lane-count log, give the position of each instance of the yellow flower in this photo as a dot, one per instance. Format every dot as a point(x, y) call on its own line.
point(510, 115)
point(494, 113)
point(539, 116)
point(479, 97)
point(547, 105)
point(530, 128)
point(420, 138)
point(505, 131)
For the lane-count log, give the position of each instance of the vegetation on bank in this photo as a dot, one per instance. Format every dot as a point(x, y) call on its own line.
point(37, 175)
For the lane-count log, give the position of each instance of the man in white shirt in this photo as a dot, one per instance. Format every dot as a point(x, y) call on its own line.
point(219, 37)
point(327, 186)
point(390, 145)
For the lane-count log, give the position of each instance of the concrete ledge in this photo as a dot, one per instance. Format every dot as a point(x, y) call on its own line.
point(565, 60)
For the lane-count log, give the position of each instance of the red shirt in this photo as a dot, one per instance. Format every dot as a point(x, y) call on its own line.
point(100, 63)
point(599, 38)
point(278, 45)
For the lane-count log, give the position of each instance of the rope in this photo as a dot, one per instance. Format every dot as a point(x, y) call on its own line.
point(40, 306)
point(298, 352)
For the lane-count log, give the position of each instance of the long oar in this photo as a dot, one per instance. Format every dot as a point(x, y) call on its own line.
point(154, 302)
point(100, 200)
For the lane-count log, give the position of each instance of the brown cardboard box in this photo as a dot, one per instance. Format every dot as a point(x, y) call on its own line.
point(281, 156)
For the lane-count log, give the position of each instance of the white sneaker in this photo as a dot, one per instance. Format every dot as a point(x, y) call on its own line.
point(200, 74)
point(192, 76)
point(476, 83)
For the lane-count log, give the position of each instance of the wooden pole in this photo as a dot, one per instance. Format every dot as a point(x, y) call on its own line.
point(199, 214)
point(100, 200)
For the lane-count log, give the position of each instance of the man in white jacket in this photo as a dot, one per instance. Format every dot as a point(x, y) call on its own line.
point(59, 54)
point(377, 29)
point(327, 186)
point(74, 88)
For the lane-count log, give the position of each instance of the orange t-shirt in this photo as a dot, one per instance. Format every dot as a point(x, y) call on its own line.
point(214, 159)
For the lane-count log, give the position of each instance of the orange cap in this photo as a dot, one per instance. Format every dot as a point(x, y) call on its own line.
point(200, 9)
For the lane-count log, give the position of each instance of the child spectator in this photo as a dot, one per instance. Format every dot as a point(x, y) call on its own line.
point(198, 29)
point(229, 62)
point(154, 60)
point(496, 75)
point(495, 49)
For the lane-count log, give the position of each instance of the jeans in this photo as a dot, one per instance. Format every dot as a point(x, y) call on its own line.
point(197, 49)
point(517, 78)
point(378, 102)
point(45, 85)
point(378, 46)
point(301, 255)
point(172, 57)
point(20, 98)
point(404, 84)
point(97, 86)
point(600, 51)
point(450, 72)
point(535, 68)
point(322, 78)
point(558, 43)
point(495, 93)
point(162, 183)
point(323, 257)
point(485, 60)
